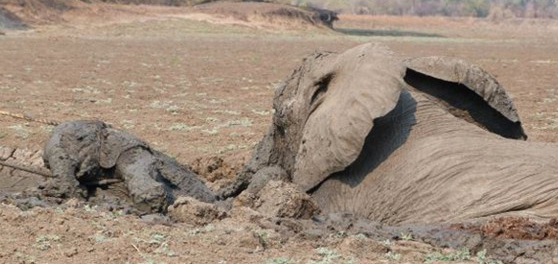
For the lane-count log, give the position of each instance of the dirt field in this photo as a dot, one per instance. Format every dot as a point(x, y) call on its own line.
point(195, 89)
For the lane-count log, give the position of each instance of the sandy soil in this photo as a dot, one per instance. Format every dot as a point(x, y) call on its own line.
point(198, 90)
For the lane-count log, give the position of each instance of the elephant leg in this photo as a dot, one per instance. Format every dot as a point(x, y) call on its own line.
point(138, 169)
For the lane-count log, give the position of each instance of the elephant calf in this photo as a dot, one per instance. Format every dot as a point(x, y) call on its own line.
point(86, 154)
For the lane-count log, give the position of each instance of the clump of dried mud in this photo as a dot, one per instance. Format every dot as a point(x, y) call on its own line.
point(214, 168)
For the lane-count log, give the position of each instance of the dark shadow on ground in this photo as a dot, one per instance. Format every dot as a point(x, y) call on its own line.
point(385, 32)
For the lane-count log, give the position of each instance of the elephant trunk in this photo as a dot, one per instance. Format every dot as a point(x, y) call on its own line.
point(64, 183)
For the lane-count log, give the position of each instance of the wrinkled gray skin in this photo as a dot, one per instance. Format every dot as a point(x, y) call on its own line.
point(421, 140)
point(84, 154)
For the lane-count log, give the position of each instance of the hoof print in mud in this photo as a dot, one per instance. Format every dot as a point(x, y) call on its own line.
point(89, 158)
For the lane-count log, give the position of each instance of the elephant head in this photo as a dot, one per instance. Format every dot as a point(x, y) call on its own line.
point(79, 149)
point(72, 154)
point(301, 103)
point(365, 132)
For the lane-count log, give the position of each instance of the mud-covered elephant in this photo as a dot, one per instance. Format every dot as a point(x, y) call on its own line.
point(394, 140)
point(81, 154)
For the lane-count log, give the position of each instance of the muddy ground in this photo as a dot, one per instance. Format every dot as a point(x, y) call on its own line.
point(200, 89)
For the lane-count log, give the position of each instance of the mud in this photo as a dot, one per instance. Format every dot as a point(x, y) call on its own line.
point(192, 211)
point(529, 249)
point(514, 228)
point(474, 237)
point(15, 180)
point(507, 239)
point(278, 198)
point(278, 208)
point(214, 168)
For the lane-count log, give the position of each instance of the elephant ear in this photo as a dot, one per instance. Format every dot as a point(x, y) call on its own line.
point(358, 86)
point(115, 142)
point(468, 91)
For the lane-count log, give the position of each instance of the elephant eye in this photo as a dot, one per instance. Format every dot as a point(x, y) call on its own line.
point(321, 88)
point(81, 137)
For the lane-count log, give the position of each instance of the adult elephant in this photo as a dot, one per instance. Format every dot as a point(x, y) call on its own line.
point(422, 140)
point(86, 154)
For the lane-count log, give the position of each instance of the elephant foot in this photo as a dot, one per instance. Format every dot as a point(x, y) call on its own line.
point(152, 198)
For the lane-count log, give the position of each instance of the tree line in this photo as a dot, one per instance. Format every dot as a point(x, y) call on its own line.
point(475, 8)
